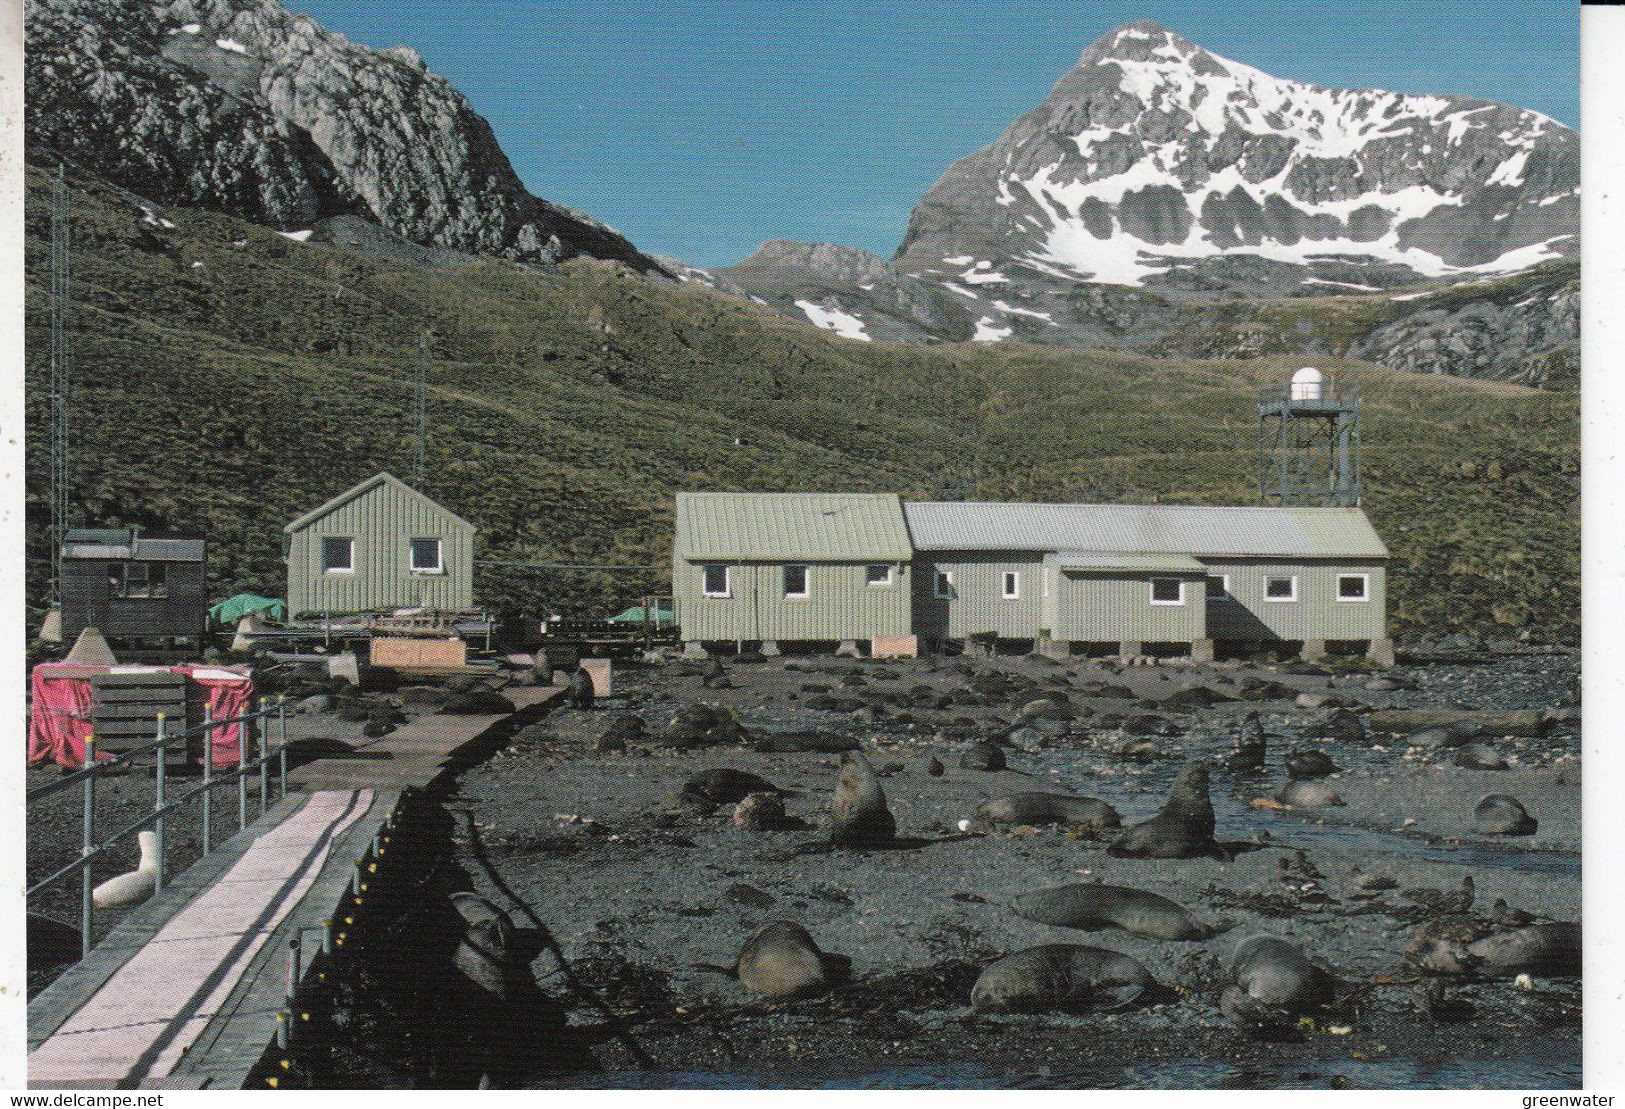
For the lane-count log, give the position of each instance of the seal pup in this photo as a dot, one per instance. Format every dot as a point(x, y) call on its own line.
point(1048, 808)
point(982, 756)
point(1309, 764)
point(1274, 973)
point(1500, 815)
point(1092, 906)
point(1061, 976)
point(781, 959)
point(581, 690)
point(721, 786)
point(1182, 829)
point(1301, 793)
point(859, 816)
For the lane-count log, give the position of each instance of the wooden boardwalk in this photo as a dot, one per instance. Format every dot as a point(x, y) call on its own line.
point(185, 991)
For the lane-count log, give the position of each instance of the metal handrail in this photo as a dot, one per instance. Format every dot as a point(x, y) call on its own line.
point(91, 850)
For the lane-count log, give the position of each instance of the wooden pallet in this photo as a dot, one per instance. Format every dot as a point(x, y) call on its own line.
point(125, 707)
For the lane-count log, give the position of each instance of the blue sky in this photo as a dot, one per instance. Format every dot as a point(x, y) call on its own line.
point(700, 128)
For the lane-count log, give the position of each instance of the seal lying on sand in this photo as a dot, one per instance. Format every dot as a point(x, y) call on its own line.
point(1063, 976)
point(859, 816)
point(1273, 973)
point(780, 959)
point(1048, 808)
point(1500, 815)
point(1302, 793)
point(1549, 950)
point(722, 786)
point(1090, 906)
point(1183, 829)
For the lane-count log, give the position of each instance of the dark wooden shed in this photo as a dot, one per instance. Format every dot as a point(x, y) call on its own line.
point(132, 585)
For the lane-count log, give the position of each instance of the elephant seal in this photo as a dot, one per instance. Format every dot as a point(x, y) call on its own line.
point(1549, 950)
point(1048, 808)
point(721, 786)
point(780, 959)
point(1091, 906)
point(581, 690)
point(1182, 829)
point(1500, 815)
point(859, 816)
point(1305, 794)
point(1273, 972)
point(1061, 976)
point(1309, 764)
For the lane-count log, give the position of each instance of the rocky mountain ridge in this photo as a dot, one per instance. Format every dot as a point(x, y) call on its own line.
point(246, 108)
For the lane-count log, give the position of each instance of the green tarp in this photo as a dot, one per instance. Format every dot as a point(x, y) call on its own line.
point(661, 617)
point(233, 609)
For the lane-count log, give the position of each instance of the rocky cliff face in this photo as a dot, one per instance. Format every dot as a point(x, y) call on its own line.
point(240, 106)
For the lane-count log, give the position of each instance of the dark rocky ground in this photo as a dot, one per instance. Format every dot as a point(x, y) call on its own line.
point(636, 892)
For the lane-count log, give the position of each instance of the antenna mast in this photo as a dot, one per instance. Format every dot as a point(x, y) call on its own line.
point(61, 372)
point(422, 409)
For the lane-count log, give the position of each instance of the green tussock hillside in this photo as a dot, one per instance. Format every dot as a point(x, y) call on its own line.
point(229, 378)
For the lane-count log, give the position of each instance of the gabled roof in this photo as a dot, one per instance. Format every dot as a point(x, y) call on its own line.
point(789, 527)
point(1143, 529)
point(350, 494)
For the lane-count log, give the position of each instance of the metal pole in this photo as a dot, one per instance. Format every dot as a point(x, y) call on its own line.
point(208, 785)
point(282, 745)
point(242, 781)
point(293, 970)
point(158, 804)
point(259, 730)
point(87, 844)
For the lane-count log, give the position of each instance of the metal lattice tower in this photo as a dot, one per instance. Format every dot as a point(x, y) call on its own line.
point(61, 375)
point(1309, 442)
point(421, 411)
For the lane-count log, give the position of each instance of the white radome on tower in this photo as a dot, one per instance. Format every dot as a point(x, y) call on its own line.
point(1308, 384)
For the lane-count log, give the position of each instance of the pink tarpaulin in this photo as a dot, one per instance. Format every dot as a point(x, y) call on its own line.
point(59, 714)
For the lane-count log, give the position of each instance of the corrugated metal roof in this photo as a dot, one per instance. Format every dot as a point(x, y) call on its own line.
point(169, 550)
point(364, 487)
point(814, 527)
point(1143, 529)
point(124, 543)
point(1084, 560)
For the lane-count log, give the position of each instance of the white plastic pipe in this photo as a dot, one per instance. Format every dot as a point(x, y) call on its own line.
point(134, 887)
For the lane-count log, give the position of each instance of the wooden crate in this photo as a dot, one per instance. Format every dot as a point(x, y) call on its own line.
point(400, 651)
point(125, 707)
point(894, 646)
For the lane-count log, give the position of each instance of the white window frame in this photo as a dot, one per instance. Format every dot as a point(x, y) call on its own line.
point(439, 566)
point(1006, 579)
point(884, 583)
point(806, 580)
point(1152, 584)
point(727, 579)
point(1365, 589)
point(1293, 578)
point(942, 585)
point(326, 569)
point(1225, 596)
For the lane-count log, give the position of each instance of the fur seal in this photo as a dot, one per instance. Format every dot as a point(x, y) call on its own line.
point(1049, 808)
point(1500, 815)
point(1305, 794)
point(1061, 976)
point(982, 756)
point(859, 816)
point(1251, 746)
point(781, 959)
point(722, 786)
point(581, 690)
point(1477, 756)
point(1309, 764)
point(1182, 829)
point(1090, 906)
point(1273, 972)
point(1548, 950)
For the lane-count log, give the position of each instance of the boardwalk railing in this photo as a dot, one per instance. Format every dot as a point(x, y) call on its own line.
point(165, 740)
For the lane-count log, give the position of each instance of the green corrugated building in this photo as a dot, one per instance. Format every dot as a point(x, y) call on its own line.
point(1135, 575)
point(774, 568)
point(379, 545)
point(771, 568)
